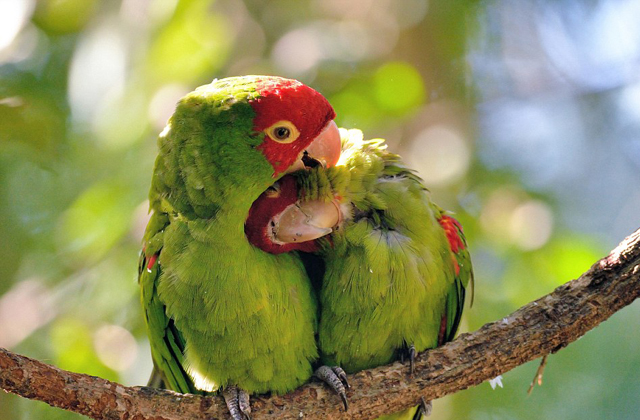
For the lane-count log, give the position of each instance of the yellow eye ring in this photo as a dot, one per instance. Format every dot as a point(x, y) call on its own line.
point(283, 132)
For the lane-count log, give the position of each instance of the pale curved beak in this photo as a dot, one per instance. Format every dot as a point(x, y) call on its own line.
point(306, 221)
point(327, 146)
point(324, 150)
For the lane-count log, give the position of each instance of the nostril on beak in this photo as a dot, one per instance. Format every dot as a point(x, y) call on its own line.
point(310, 162)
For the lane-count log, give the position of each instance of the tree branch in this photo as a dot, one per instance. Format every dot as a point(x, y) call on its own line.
point(539, 328)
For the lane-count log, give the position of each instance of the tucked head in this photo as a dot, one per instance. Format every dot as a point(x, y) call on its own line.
point(281, 222)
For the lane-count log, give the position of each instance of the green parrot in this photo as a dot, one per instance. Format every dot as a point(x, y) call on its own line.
point(395, 265)
point(221, 314)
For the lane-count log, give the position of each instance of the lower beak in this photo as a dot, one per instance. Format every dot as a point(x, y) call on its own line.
point(324, 150)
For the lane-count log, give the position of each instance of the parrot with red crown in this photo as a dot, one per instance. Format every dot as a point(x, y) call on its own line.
point(222, 314)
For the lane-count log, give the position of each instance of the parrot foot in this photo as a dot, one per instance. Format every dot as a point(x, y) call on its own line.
point(424, 410)
point(336, 378)
point(237, 401)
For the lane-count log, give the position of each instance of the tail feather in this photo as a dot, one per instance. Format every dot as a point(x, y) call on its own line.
point(156, 380)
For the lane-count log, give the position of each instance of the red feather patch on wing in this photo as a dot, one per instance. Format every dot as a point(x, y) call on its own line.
point(453, 230)
point(152, 262)
point(463, 275)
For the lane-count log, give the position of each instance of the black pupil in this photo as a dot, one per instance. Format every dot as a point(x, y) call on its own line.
point(282, 133)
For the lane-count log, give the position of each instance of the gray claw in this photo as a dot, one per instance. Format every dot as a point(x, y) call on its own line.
point(342, 375)
point(243, 403)
point(237, 401)
point(424, 410)
point(412, 358)
point(336, 378)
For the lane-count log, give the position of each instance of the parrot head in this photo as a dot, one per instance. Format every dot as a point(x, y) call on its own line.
point(297, 123)
point(280, 222)
point(229, 140)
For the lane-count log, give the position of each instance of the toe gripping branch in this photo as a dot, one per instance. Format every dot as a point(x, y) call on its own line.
point(237, 401)
point(409, 351)
point(336, 378)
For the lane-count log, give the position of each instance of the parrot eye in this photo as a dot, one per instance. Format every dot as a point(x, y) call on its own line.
point(283, 132)
point(273, 191)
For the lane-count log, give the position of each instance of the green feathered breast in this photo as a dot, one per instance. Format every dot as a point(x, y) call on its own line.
point(219, 311)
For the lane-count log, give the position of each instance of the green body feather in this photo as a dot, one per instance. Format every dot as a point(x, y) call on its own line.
point(390, 276)
point(219, 311)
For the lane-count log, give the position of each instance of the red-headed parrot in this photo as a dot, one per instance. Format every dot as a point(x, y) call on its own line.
point(221, 313)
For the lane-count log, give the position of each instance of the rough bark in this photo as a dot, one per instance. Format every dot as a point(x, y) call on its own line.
point(538, 328)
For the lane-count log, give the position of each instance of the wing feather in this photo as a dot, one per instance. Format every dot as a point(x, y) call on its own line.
point(167, 344)
point(463, 275)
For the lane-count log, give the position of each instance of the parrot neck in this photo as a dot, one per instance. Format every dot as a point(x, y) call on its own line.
point(230, 231)
point(232, 222)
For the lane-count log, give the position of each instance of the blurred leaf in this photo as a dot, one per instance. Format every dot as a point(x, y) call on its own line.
point(533, 274)
point(33, 120)
point(391, 92)
point(95, 222)
point(122, 121)
point(64, 16)
point(72, 343)
point(192, 46)
point(568, 256)
point(353, 109)
point(398, 87)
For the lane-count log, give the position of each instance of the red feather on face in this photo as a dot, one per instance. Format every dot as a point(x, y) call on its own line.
point(285, 99)
point(271, 203)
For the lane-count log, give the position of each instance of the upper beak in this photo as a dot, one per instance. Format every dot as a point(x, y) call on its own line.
point(324, 150)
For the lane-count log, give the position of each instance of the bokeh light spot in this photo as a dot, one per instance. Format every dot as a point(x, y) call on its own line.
point(71, 341)
point(23, 309)
point(531, 225)
point(97, 71)
point(497, 211)
point(64, 16)
point(13, 15)
point(354, 110)
point(398, 87)
point(297, 52)
point(440, 154)
point(164, 103)
point(115, 347)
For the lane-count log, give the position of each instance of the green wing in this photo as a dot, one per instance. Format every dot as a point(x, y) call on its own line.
point(461, 260)
point(463, 277)
point(167, 344)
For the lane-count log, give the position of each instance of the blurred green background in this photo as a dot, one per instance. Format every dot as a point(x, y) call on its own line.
point(522, 117)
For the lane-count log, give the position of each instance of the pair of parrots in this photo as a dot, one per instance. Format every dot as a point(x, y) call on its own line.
point(279, 246)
